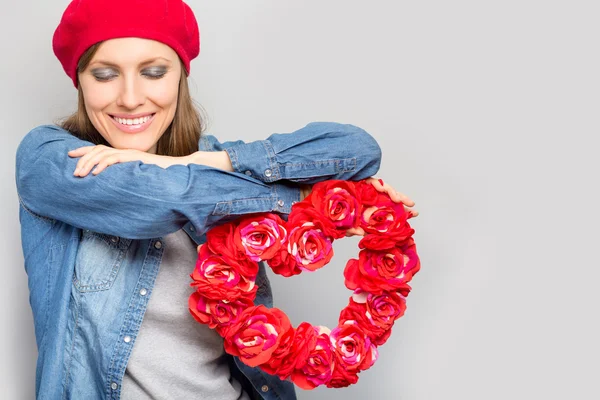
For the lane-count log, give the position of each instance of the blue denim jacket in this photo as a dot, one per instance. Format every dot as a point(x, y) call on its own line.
point(92, 246)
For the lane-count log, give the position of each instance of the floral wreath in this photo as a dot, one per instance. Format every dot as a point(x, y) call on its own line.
point(310, 356)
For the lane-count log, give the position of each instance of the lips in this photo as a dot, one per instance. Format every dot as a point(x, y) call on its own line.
point(132, 123)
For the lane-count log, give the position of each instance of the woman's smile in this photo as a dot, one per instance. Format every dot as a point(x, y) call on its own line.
point(132, 123)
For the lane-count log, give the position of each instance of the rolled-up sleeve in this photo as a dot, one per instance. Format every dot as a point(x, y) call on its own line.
point(133, 199)
point(316, 152)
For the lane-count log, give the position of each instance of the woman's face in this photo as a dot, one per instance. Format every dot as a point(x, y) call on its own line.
point(130, 90)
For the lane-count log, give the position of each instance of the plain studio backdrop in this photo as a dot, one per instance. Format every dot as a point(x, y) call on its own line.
point(488, 116)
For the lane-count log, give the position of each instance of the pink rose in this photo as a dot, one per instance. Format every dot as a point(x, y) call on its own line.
point(353, 348)
point(261, 237)
point(320, 363)
point(309, 247)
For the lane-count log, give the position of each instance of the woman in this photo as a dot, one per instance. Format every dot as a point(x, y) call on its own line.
point(114, 203)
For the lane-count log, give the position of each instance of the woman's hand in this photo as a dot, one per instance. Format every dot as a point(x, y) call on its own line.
point(396, 197)
point(102, 156)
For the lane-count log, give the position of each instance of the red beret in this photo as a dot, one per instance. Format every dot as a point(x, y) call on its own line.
point(87, 22)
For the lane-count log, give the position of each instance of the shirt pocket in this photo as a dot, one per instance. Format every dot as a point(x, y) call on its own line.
point(98, 261)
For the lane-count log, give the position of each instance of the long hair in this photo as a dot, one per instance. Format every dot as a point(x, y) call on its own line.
point(181, 137)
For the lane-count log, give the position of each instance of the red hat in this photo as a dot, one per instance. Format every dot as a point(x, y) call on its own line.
point(87, 22)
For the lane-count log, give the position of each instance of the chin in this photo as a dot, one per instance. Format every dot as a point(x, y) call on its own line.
point(132, 143)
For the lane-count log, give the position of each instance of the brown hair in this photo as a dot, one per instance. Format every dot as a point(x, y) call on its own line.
point(180, 138)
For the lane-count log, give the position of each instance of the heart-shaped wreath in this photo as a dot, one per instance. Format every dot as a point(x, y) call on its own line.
point(226, 269)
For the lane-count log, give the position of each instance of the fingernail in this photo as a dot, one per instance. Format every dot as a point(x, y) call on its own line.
point(381, 181)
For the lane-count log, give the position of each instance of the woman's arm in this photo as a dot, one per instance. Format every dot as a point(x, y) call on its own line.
point(158, 201)
point(133, 199)
point(317, 152)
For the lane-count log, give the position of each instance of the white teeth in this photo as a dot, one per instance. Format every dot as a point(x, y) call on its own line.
point(135, 121)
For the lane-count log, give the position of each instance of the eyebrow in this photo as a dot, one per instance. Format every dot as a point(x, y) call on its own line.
point(149, 61)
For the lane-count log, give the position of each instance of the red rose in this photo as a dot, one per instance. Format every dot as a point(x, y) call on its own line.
point(217, 314)
point(353, 348)
point(320, 363)
point(381, 215)
point(304, 211)
point(357, 312)
point(383, 309)
point(367, 194)
point(284, 264)
point(220, 241)
point(337, 201)
point(256, 335)
point(260, 237)
point(378, 271)
point(218, 279)
point(293, 351)
point(342, 378)
point(375, 314)
point(376, 242)
point(309, 247)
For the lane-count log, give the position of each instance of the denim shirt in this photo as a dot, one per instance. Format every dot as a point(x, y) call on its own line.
point(92, 246)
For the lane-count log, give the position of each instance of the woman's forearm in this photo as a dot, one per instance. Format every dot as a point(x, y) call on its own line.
point(215, 159)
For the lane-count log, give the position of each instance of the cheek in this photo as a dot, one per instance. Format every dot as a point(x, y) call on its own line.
point(164, 94)
point(98, 97)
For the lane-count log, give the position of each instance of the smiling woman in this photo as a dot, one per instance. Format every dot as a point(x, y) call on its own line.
point(109, 254)
point(113, 93)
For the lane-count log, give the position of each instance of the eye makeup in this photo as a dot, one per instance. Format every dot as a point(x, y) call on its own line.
point(105, 74)
point(155, 72)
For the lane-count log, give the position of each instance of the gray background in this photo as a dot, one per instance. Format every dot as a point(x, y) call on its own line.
point(487, 113)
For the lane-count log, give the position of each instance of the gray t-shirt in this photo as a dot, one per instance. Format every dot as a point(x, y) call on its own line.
point(174, 356)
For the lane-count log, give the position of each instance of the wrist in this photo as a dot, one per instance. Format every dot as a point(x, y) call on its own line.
point(215, 159)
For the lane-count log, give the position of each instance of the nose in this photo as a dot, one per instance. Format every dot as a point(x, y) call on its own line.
point(131, 94)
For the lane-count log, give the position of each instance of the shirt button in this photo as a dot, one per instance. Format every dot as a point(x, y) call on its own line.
point(192, 228)
point(250, 173)
point(143, 291)
point(268, 173)
point(158, 245)
point(127, 339)
point(114, 386)
point(114, 239)
point(264, 388)
point(280, 203)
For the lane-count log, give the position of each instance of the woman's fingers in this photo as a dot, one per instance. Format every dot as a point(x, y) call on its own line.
point(412, 213)
point(355, 231)
point(105, 162)
point(89, 153)
point(94, 158)
point(396, 196)
point(80, 151)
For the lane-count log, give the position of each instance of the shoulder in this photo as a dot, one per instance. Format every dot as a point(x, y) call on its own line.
point(42, 134)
